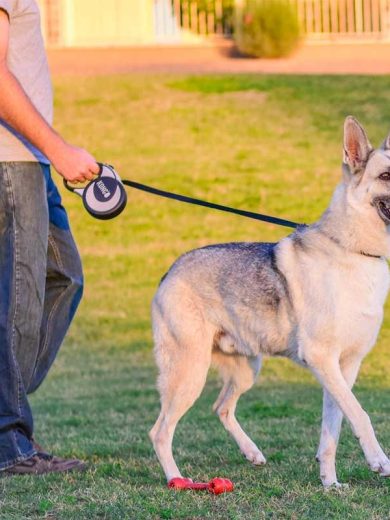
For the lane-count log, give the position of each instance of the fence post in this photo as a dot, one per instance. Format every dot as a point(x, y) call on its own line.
point(67, 23)
point(218, 6)
point(238, 14)
point(358, 17)
point(385, 19)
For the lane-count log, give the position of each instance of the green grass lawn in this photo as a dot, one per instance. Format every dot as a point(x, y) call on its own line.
point(264, 143)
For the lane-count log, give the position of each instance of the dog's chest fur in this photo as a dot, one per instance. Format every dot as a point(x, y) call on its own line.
point(338, 296)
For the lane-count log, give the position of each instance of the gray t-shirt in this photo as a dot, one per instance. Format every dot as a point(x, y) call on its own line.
point(26, 59)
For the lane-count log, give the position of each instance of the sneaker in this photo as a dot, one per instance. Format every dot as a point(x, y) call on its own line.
point(42, 463)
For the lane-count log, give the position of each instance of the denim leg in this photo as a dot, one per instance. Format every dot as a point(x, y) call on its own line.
point(23, 249)
point(40, 288)
point(64, 285)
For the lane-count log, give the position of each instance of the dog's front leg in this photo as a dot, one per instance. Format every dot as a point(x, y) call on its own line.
point(328, 372)
point(332, 418)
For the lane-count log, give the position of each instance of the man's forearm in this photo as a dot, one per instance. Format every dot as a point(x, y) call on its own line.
point(17, 110)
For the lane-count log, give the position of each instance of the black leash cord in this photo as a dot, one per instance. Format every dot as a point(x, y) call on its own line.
point(199, 202)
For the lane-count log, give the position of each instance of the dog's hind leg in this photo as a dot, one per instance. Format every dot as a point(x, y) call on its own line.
point(179, 389)
point(238, 373)
point(184, 360)
point(332, 418)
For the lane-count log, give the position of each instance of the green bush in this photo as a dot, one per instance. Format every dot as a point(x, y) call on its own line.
point(267, 29)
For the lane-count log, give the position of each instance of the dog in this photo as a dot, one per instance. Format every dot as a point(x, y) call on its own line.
point(315, 297)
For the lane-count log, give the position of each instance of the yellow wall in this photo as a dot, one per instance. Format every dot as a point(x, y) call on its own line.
point(91, 23)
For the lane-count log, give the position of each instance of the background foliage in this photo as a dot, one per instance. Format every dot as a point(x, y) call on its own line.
point(268, 29)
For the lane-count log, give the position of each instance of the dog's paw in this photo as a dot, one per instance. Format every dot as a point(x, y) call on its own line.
point(382, 467)
point(384, 470)
point(256, 457)
point(335, 486)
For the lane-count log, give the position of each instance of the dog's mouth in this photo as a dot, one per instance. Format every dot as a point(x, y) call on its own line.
point(383, 207)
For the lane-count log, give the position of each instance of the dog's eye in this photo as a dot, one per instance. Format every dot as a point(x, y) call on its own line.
point(384, 176)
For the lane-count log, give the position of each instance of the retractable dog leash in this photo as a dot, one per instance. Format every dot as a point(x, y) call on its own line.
point(105, 198)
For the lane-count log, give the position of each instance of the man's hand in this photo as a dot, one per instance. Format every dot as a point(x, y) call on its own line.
point(74, 164)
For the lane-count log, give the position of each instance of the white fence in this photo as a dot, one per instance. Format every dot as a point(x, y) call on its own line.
point(344, 18)
point(130, 22)
point(320, 19)
point(205, 17)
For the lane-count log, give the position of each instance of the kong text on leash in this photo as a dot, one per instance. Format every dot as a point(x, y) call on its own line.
point(105, 198)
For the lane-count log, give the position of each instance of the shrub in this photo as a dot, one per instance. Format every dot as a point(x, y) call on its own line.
point(267, 29)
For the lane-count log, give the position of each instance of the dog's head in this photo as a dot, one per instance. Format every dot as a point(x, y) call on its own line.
point(366, 172)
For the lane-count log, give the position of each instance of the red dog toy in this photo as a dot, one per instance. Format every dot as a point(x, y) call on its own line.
point(215, 486)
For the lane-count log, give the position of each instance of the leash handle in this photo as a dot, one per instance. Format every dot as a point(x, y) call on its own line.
point(212, 205)
point(80, 191)
point(104, 197)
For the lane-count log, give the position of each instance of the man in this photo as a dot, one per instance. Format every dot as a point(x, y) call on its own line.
point(40, 270)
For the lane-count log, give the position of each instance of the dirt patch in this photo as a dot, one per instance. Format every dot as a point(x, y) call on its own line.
point(334, 58)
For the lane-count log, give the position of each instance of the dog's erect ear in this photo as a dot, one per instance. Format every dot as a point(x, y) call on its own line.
point(386, 143)
point(357, 147)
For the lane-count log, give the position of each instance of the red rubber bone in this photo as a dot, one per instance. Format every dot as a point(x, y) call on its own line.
point(215, 486)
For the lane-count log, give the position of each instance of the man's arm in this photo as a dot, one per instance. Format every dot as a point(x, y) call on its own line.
point(16, 109)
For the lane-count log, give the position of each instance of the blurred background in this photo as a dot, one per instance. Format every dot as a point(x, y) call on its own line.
point(240, 103)
point(302, 36)
point(75, 23)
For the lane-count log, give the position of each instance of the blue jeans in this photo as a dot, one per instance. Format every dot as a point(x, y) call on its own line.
point(41, 284)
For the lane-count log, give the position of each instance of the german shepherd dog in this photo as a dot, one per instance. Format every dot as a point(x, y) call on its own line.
point(315, 297)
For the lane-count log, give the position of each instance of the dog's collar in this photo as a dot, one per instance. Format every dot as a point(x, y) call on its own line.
point(336, 241)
